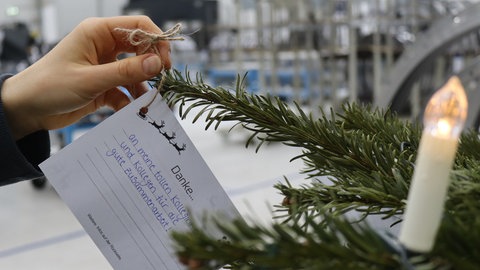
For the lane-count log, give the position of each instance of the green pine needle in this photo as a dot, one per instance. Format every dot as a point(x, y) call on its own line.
point(368, 156)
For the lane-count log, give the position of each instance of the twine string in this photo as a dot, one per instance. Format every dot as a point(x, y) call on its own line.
point(146, 42)
point(158, 89)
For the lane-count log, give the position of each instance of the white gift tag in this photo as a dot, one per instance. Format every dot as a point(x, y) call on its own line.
point(132, 180)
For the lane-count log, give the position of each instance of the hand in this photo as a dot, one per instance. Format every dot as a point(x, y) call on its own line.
point(80, 75)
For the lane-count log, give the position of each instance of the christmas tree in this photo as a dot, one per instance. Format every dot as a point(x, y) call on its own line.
point(368, 155)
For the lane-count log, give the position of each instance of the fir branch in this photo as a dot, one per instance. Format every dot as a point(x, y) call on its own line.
point(368, 155)
point(335, 244)
point(457, 243)
point(361, 150)
point(468, 147)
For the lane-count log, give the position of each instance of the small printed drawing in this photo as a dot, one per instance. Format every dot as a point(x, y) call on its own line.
point(169, 136)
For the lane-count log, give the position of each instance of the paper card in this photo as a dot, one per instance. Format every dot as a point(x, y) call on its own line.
point(132, 180)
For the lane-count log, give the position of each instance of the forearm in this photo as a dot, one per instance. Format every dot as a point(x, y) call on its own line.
point(19, 159)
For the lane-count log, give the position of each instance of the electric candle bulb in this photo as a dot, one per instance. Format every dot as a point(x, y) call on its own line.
point(446, 111)
point(444, 119)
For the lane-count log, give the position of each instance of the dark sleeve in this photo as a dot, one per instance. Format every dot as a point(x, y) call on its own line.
point(19, 159)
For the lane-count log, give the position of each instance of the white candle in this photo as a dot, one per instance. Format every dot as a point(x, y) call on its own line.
point(444, 119)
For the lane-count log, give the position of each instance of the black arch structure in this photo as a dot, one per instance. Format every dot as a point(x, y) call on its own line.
point(415, 60)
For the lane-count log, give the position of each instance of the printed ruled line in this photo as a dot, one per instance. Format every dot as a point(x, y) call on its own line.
point(132, 200)
point(110, 206)
point(129, 195)
point(125, 208)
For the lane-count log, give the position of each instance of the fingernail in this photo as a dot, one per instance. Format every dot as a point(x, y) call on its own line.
point(152, 65)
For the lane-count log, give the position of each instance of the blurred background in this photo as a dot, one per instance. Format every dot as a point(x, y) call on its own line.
point(319, 53)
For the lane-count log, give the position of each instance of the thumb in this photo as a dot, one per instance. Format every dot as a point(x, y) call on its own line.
point(128, 71)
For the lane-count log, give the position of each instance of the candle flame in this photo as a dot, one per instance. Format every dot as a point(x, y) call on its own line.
point(446, 111)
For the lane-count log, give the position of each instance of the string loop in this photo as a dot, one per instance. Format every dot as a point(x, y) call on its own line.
point(146, 42)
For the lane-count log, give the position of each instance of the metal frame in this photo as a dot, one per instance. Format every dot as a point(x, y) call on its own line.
point(396, 86)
